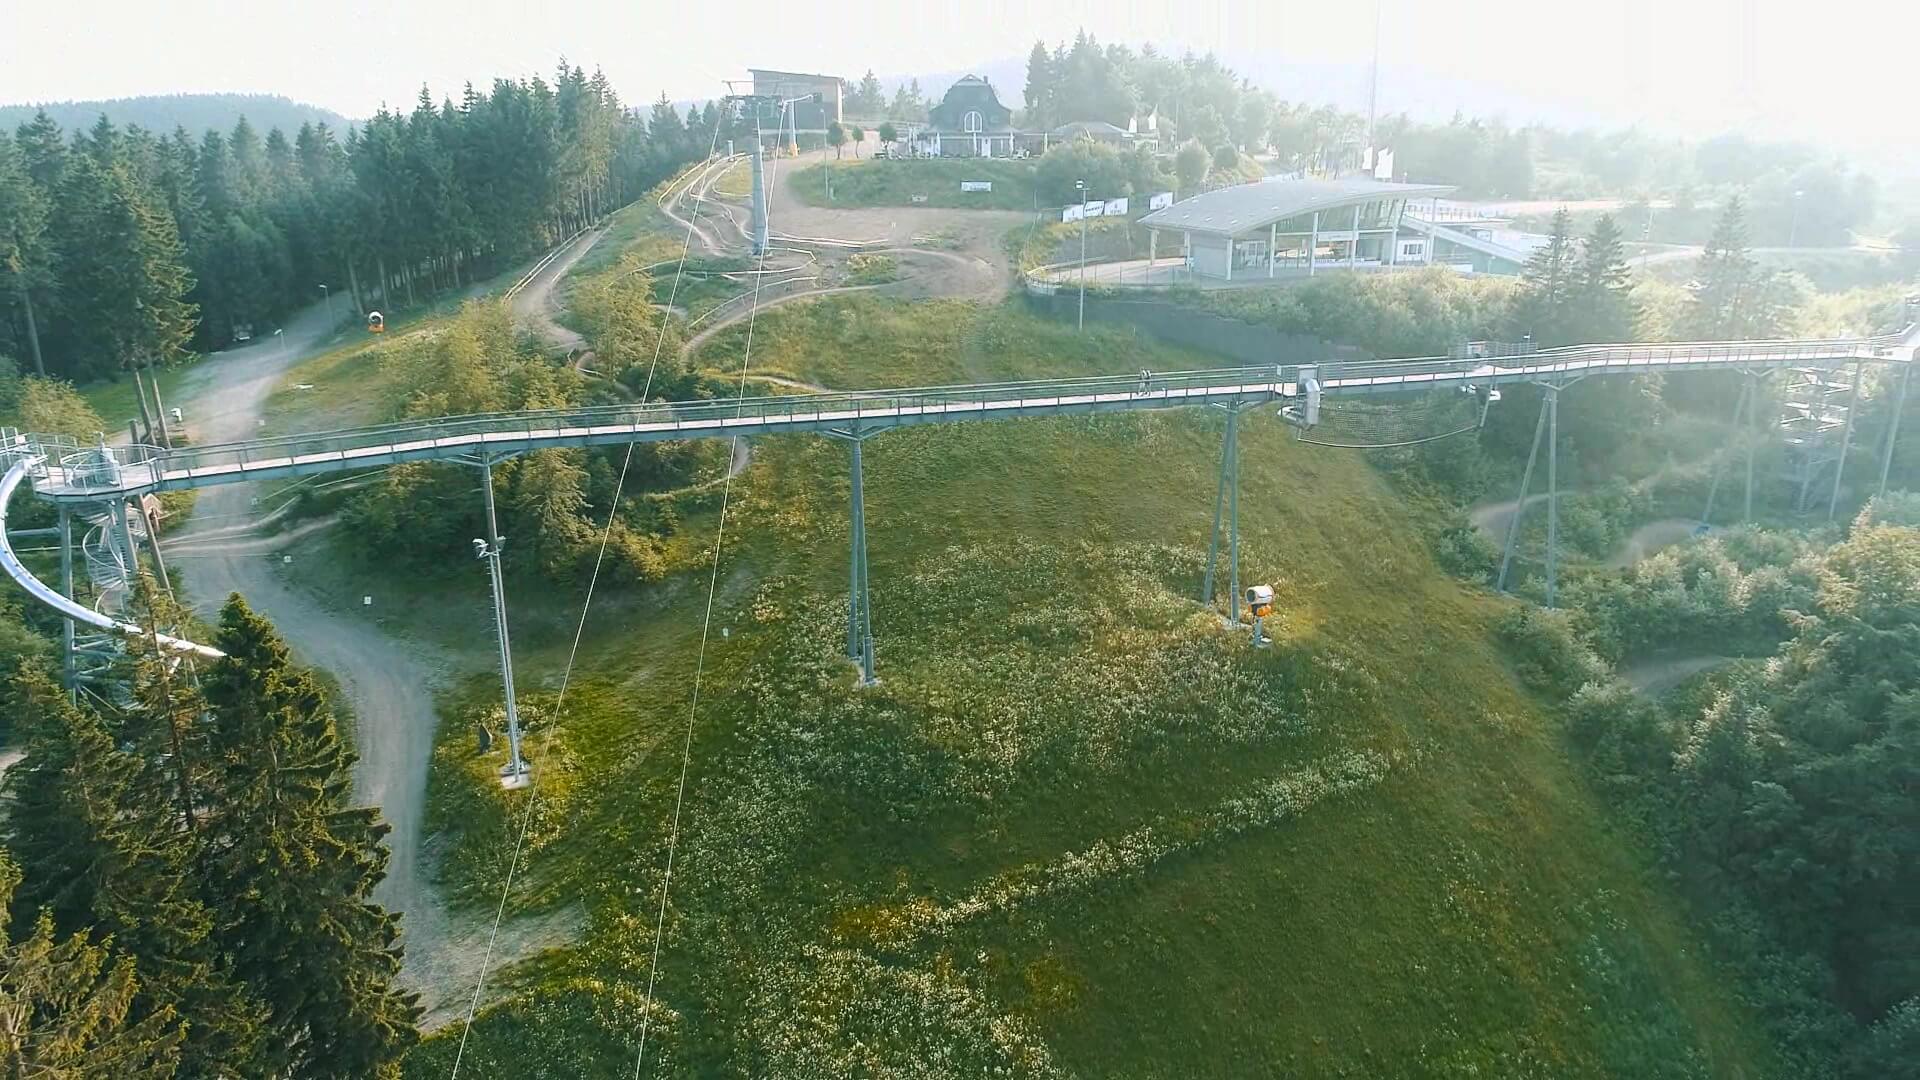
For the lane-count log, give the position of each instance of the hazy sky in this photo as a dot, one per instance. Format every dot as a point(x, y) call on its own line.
point(1784, 66)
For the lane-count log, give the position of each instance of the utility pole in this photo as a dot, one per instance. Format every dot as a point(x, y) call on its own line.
point(1081, 187)
point(514, 773)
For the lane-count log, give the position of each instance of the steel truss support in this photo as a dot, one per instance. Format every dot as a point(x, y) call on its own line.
point(1547, 425)
point(1893, 430)
point(859, 591)
point(514, 774)
point(1227, 493)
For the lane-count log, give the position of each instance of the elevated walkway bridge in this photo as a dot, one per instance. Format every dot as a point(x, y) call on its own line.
point(99, 482)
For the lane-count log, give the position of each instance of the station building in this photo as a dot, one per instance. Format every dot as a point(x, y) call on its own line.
point(1292, 227)
point(809, 118)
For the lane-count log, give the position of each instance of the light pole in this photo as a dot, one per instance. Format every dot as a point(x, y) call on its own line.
point(327, 296)
point(514, 773)
point(1793, 230)
point(280, 336)
point(1080, 186)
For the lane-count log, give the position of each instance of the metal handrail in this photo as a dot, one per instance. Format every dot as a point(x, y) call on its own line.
point(477, 431)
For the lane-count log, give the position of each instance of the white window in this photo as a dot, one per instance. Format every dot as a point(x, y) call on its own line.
point(973, 121)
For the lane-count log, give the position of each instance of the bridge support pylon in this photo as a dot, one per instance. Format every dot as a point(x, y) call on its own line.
point(515, 773)
point(1893, 430)
point(1227, 493)
point(859, 593)
point(1548, 425)
point(1747, 406)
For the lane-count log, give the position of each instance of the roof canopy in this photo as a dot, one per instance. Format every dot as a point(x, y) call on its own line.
point(1248, 208)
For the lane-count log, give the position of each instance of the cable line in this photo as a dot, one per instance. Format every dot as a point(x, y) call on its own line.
point(566, 676)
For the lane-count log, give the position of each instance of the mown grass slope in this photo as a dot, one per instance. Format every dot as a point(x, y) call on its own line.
point(1080, 828)
point(895, 183)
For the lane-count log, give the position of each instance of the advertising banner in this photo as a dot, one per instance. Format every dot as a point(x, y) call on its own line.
point(1160, 201)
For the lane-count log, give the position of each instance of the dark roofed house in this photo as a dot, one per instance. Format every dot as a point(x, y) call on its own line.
point(971, 122)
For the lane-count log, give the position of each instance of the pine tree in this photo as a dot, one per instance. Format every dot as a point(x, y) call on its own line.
point(26, 258)
point(100, 854)
point(1603, 287)
point(1041, 90)
point(1544, 311)
point(868, 100)
point(67, 1006)
point(122, 256)
point(294, 862)
point(1734, 298)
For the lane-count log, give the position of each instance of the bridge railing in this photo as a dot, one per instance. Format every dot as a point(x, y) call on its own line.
point(850, 406)
point(514, 430)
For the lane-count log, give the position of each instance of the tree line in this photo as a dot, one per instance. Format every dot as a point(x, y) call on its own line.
point(192, 876)
point(124, 248)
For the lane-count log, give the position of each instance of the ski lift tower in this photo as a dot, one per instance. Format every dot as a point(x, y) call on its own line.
point(763, 107)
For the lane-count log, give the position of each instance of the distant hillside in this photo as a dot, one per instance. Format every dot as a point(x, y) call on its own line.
point(164, 112)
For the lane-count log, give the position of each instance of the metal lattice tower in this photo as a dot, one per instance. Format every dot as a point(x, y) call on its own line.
point(1816, 425)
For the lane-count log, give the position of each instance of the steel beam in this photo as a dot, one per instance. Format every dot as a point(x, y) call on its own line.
point(1846, 444)
point(1893, 430)
point(69, 663)
point(1553, 490)
point(515, 774)
point(1713, 487)
point(1520, 504)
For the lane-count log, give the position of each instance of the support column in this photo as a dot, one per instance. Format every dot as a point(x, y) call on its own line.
point(1713, 487)
point(759, 203)
point(1520, 506)
point(859, 597)
point(515, 773)
point(68, 662)
point(1233, 530)
point(1273, 246)
point(152, 525)
point(1893, 429)
point(129, 552)
point(1229, 454)
point(1753, 439)
point(1353, 245)
point(1553, 491)
point(1313, 244)
point(1846, 443)
point(1153, 252)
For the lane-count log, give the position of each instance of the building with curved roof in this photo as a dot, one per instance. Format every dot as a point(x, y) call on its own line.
point(1265, 228)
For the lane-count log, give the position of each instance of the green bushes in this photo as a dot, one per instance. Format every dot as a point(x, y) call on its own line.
point(1420, 313)
point(1548, 653)
point(896, 183)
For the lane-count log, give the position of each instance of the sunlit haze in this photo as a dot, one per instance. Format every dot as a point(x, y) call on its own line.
point(1690, 66)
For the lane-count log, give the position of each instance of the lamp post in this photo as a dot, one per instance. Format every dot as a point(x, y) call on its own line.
point(280, 336)
point(1080, 186)
point(1793, 230)
point(327, 297)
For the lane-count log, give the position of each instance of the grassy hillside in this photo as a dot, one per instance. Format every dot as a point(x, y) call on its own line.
point(895, 183)
point(1079, 828)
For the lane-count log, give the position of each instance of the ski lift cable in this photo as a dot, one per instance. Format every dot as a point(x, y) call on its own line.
point(606, 532)
point(699, 670)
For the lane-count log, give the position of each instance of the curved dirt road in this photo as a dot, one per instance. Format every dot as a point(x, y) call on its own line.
point(535, 306)
point(388, 684)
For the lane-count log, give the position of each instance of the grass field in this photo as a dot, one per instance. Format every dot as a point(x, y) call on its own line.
point(1079, 828)
point(118, 401)
point(895, 183)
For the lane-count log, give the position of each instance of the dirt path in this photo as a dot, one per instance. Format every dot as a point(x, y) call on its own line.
point(1656, 675)
point(535, 306)
point(388, 683)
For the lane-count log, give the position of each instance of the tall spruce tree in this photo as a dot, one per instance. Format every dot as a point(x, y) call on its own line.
point(67, 1006)
point(26, 257)
point(292, 863)
point(1041, 89)
point(1734, 297)
point(99, 854)
point(1603, 287)
point(1545, 309)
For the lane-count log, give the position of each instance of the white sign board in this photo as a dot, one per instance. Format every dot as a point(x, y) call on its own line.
point(919, 198)
point(1072, 213)
point(1096, 208)
point(1116, 208)
point(1160, 201)
point(976, 185)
